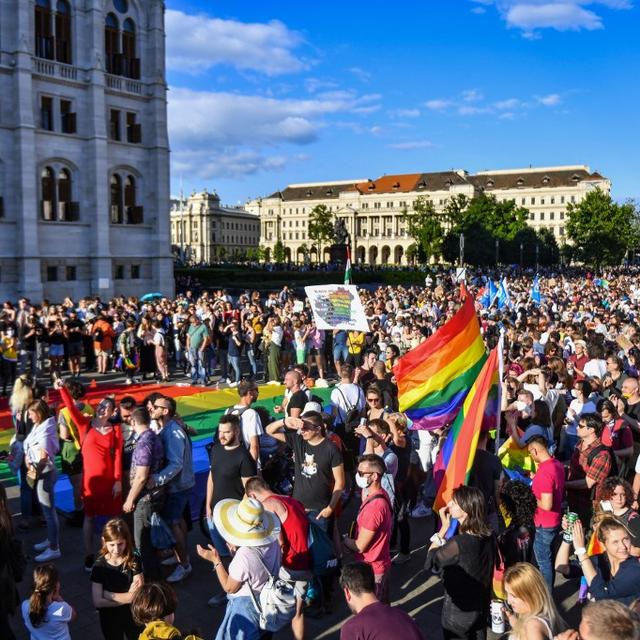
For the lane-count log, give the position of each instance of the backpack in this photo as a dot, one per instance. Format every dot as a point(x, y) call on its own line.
point(324, 561)
point(613, 469)
point(276, 603)
point(352, 414)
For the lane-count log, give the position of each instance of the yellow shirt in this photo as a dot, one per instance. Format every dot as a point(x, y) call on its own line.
point(355, 342)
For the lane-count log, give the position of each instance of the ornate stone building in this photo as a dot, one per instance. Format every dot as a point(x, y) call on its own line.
point(373, 209)
point(203, 231)
point(84, 155)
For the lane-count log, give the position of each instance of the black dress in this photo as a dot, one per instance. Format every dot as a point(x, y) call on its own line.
point(466, 563)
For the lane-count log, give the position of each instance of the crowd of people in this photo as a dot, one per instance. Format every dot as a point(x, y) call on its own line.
point(559, 498)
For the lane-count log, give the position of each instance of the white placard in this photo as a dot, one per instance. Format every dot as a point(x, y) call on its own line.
point(337, 306)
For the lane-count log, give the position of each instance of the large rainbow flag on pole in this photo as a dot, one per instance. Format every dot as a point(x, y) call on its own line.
point(434, 378)
point(456, 457)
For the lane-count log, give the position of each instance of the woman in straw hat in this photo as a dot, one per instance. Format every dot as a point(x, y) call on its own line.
point(251, 533)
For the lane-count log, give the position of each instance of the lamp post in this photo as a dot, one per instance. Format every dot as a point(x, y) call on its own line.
point(461, 249)
point(537, 255)
point(521, 250)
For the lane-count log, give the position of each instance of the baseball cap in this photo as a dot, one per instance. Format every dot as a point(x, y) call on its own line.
point(534, 431)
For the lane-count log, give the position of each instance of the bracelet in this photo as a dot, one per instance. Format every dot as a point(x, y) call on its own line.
point(583, 560)
point(217, 564)
point(579, 551)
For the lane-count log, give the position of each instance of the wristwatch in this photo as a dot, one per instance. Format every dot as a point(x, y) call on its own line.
point(435, 538)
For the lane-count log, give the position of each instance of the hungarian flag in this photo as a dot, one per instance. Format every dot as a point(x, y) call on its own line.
point(347, 268)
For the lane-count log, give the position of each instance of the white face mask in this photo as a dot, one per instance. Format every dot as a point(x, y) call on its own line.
point(362, 481)
point(523, 407)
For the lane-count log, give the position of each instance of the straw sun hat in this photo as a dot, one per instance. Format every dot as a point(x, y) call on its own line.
point(245, 523)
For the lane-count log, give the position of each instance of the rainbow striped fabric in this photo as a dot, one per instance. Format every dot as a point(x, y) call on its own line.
point(434, 378)
point(456, 457)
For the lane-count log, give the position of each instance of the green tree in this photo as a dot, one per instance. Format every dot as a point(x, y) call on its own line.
point(305, 251)
point(222, 252)
point(261, 254)
point(412, 253)
point(602, 230)
point(454, 211)
point(320, 227)
point(424, 225)
point(503, 219)
point(279, 254)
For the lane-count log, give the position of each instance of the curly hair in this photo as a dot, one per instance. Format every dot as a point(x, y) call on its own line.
point(519, 501)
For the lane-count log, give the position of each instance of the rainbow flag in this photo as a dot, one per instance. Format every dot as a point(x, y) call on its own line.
point(456, 457)
point(434, 378)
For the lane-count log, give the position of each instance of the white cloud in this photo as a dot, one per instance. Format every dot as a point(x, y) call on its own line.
point(412, 144)
point(472, 95)
point(361, 74)
point(466, 110)
point(510, 103)
point(437, 105)
point(196, 43)
point(405, 113)
point(312, 85)
point(561, 15)
point(224, 132)
point(552, 100)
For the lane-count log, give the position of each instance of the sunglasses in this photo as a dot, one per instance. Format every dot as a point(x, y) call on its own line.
point(373, 399)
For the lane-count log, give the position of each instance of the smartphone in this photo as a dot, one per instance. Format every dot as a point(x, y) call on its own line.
point(606, 505)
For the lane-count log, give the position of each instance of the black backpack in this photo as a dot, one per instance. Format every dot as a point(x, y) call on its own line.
point(352, 414)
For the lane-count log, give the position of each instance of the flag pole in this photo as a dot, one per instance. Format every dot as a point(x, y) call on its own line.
point(500, 379)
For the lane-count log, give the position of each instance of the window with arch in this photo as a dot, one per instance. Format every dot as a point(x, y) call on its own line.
point(123, 198)
point(53, 30)
point(56, 195)
point(120, 44)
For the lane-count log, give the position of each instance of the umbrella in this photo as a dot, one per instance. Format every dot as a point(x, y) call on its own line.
point(148, 297)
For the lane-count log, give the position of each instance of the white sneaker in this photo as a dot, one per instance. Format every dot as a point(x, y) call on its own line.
point(400, 558)
point(41, 546)
point(233, 384)
point(274, 382)
point(421, 511)
point(49, 554)
point(169, 562)
point(179, 573)
point(217, 600)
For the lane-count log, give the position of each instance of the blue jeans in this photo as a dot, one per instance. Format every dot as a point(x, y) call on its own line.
point(241, 621)
point(218, 541)
point(543, 550)
point(26, 494)
point(45, 489)
point(234, 363)
point(252, 361)
point(197, 368)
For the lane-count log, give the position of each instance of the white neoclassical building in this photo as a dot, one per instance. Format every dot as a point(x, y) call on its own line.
point(373, 208)
point(204, 231)
point(84, 154)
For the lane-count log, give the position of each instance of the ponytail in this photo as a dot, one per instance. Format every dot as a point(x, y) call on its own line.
point(45, 584)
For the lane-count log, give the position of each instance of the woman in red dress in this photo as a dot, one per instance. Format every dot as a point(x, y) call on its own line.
point(101, 448)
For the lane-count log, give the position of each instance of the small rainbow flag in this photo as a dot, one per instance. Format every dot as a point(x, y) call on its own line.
point(434, 378)
point(456, 457)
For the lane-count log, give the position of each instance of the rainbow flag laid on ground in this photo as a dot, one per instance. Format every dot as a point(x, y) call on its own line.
point(434, 378)
point(456, 457)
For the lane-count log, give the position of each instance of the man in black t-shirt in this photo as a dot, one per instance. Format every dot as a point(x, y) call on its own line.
point(231, 467)
point(75, 329)
point(486, 473)
point(319, 471)
point(294, 398)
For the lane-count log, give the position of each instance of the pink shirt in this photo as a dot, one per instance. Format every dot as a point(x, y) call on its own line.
point(376, 515)
point(549, 478)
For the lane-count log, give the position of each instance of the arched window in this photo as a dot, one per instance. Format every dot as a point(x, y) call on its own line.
point(131, 64)
point(64, 195)
point(63, 32)
point(112, 44)
point(48, 194)
point(115, 199)
point(43, 33)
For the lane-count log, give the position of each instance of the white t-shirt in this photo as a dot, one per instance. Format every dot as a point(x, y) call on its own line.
point(55, 625)
point(345, 396)
point(251, 424)
point(246, 567)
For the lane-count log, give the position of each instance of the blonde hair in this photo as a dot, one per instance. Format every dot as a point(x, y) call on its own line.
point(22, 394)
point(117, 529)
point(527, 584)
point(45, 584)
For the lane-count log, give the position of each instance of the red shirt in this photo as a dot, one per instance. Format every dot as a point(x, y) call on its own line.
point(617, 435)
point(295, 534)
point(549, 478)
point(376, 515)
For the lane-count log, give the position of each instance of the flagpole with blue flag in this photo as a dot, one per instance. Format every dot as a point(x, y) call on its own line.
point(535, 291)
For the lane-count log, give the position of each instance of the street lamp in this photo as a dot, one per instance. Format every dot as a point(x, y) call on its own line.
point(521, 250)
point(537, 255)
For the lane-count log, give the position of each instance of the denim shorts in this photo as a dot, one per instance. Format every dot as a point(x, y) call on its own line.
point(56, 350)
point(217, 540)
point(340, 353)
point(174, 505)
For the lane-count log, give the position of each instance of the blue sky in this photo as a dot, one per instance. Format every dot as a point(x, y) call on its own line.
point(263, 94)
